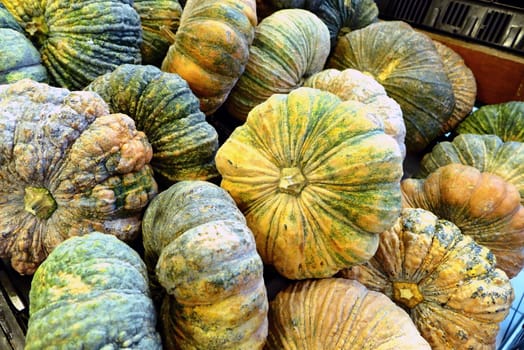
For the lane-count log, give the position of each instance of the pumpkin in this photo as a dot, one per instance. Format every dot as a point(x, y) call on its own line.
point(289, 46)
point(486, 152)
point(351, 84)
point(80, 41)
point(67, 167)
point(224, 30)
point(91, 293)
point(316, 178)
point(408, 65)
point(504, 119)
point(483, 206)
point(445, 280)
point(338, 313)
point(462, 81)
point(203, 258)
point(159, 19)
point(166, 110)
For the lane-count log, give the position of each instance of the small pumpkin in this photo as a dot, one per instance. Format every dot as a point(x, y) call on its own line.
point(447, 282)
point(67, 167)
point(91, 293)
point(338, 313)
point(483, 206)
point(316, 178)
point(166, 110)
point(205, 268)
point(224, 31)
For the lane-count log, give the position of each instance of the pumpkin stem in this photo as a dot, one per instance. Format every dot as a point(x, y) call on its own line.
point(39, 202)
point(168, 34)
point(291, 181)
point(407, 294)
point(37, 30)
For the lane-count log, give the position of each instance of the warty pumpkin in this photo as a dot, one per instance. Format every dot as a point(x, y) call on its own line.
point(211, 47)
point(82, 40)
point(67, 167)
point(205, 269)
point(407, 64)
point(91, 293)
point(445, 280)
point(338, 313)
point(316, 178)
point(166, 110)
point(289, 46)
point(483, 206)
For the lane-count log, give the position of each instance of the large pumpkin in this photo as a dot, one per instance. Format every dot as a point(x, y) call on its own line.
point(91, 293)
point(67, 167)
point(211, 47)
point(80, 40)
point(203, 257)
point(445, 280)
point(407, 64)
point(165, 109)
point(316, 178)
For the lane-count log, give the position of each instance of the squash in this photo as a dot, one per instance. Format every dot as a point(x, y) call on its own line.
point(483, 206)
point(158, 18)
point(224, 30)
point(289, 46)
point(166, 110)
point(338, 313)
point(67, 167)
point(204, 269)
point(408, 65)
point(316, 178)
point(486, 152)
point(91, 293)
point(445, 280)
point(351, 84)
point(80, 40)
point(504, 119)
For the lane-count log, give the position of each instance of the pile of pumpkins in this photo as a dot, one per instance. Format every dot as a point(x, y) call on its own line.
point(160, 158)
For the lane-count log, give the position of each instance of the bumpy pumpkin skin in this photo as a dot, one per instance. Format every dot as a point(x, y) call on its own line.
point(91, 293)
point(67, 167)
point(289, 46)
point(448, 283)
point(203, 255)
point(316, 178)
point(224, 30)
point(80, 41)
point(166, 110)
point(351, 84)
point(506, 120)
point(488, 153)
point(409, 67)
point(483, 205)
point(337, 313)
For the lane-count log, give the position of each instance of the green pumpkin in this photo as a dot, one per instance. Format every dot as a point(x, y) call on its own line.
point(80, 40)
point(166, 110)
point(91, 293)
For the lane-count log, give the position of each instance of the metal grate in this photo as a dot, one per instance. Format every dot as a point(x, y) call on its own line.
point(456, 14)
point(411, 10)
point(493, 27)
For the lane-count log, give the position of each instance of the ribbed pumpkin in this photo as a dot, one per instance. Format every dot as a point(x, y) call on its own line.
point(91, 293)
point(506, 120)
point(166, 110)
point(200, 251)
point(67, 167)
point(448, 283)
point(488, 153)
point(483, 205)
point(408, 65)
point(337, 313)
point(351, 84)
point(81, 40)
point(160, 19)
point(211, 47)
point(289, 46)
point(316, 178)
